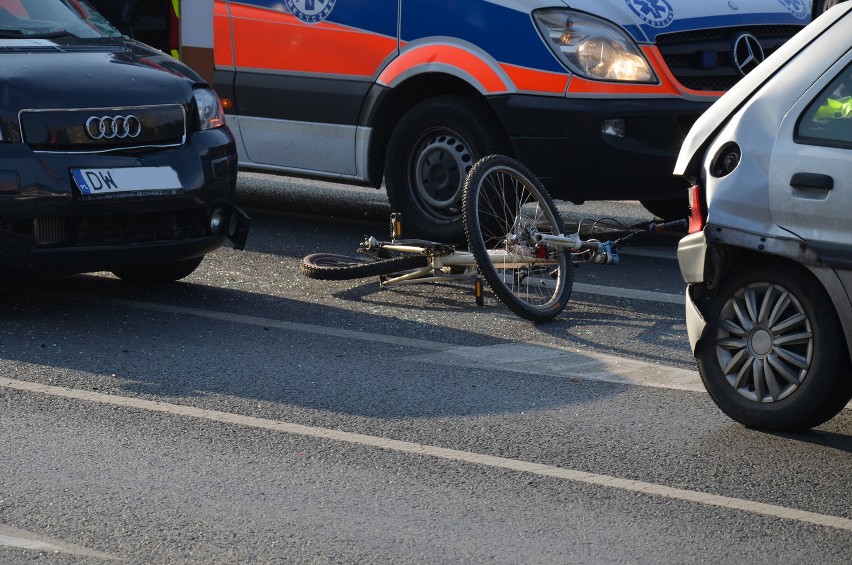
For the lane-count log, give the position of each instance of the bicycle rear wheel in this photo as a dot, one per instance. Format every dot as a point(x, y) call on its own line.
point(332, 267)
point(504, 206)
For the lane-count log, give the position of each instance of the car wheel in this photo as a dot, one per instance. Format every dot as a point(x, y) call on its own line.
point(430, 152)
point(668, 210)
point(774, 355)
point(159, 273)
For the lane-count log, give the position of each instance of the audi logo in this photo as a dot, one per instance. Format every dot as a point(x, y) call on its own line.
point(113, 127)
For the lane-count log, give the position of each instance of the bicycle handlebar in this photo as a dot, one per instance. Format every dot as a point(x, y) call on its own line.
point(652, 227)
point(604, 252)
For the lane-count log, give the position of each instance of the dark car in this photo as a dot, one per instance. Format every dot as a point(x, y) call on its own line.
point(113, 156)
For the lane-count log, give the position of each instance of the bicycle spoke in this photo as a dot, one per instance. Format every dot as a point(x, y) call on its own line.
point(504, 208)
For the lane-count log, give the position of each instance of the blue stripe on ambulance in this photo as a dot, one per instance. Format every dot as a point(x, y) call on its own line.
point(377, 16)
point(482, 24)
point(636, 32)
point(710, 22)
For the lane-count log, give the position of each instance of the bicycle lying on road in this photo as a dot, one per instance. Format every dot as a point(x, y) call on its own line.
point(516, 242)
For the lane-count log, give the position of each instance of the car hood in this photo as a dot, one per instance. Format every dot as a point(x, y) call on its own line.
point(645, 19)
point(41, 73)
point(719, 114)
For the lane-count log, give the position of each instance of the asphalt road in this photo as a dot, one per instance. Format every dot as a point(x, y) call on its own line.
point(249, 414)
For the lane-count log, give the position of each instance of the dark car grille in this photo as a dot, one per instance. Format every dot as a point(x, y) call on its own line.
point(66, 130)
point(703, 59)
point(113, 230)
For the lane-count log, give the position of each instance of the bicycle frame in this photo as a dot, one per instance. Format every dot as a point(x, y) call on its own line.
point(443, 258)
point(515, 239)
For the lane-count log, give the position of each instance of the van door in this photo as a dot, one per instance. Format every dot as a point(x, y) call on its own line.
point(303, 69)
point(810, 178)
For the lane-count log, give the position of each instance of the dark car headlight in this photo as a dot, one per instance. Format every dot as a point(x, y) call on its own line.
point(210, 112)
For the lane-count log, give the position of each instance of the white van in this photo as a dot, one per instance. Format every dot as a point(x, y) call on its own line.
point(769, 257)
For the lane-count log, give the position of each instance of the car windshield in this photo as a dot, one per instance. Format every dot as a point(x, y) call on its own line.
point(33, 19)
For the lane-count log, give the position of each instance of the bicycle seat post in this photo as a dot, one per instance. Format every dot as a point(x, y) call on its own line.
point(395, 226)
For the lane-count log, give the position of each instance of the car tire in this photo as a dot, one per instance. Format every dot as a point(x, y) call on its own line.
point(430, 152)
point(159, 273)
point(767, 320)
point(668, 210)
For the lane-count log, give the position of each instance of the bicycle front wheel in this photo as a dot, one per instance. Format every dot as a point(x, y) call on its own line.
point(331, 267)
point(505, 205)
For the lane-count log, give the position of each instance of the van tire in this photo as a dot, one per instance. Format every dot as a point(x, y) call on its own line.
point(430, 152)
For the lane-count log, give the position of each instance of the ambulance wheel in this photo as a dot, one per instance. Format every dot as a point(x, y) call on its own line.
point(430, 152)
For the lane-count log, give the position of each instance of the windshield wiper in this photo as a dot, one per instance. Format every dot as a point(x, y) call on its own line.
point(25, 34)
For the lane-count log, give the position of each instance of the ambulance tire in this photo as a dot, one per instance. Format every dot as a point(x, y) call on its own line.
point(430, 152)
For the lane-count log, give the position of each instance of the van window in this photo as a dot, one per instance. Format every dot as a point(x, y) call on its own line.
point(828, 119)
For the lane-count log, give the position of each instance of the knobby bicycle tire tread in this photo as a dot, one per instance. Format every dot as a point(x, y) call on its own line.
point(312, 267)
point(474, 230)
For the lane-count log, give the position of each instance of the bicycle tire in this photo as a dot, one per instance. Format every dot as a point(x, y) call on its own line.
point(333, 267)
point(503, 200)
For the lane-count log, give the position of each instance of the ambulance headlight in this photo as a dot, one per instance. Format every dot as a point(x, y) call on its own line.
point(592, 47)
point(210, 112)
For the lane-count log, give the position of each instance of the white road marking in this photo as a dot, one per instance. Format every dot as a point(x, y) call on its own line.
point(13, 537)
point(561, 473)
point(613, 291)
point(630, 293)
point(533, 359)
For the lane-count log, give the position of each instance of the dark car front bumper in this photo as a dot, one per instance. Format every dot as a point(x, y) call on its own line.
point(47, 226)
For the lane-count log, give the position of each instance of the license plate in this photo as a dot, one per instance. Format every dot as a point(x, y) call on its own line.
point(127, 181)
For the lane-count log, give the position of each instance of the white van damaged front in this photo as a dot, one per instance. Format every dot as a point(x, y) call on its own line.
point(768, 258)
point(732, 158)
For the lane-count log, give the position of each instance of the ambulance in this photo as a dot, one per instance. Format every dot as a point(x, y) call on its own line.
point(595, 96)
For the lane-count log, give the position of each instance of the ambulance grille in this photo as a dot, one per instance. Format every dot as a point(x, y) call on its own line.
point(703, 59)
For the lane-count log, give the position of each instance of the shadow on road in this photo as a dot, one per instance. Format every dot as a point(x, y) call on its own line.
point(203, 343)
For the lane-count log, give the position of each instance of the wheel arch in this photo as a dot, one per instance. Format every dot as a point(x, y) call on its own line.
point(384, 106)
point(730, 257)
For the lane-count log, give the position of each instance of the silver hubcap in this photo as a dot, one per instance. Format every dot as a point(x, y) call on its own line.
point(439, 173)
point(764, 342)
